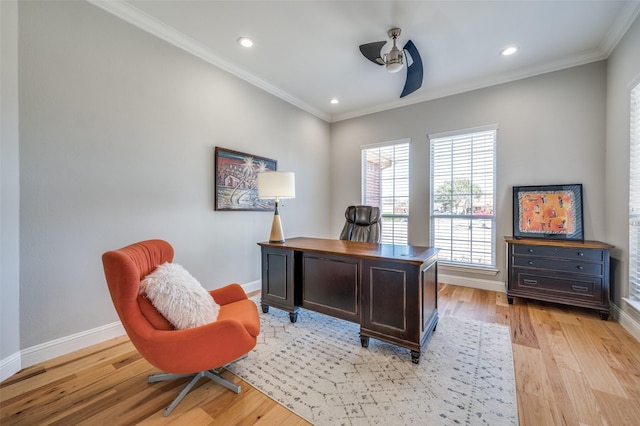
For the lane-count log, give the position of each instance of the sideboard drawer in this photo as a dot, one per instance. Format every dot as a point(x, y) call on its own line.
point(559, 265)
point(559, 252)
point(560, 285)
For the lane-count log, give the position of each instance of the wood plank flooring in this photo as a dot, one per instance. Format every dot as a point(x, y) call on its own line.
point(571, 369)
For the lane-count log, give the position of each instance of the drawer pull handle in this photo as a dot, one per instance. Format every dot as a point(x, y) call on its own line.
point(530, 282)
point(530, 262)
point(530, 250)
point(580, 253)
point(580, 288)
point(580, 267)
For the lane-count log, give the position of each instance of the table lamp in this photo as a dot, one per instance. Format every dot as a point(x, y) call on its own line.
point(276, 186)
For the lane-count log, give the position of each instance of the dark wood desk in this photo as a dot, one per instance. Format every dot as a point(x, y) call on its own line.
point(390, 290)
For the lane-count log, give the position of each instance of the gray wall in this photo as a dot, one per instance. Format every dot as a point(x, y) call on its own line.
point(551, 131)
point(623, 68)
point(9, 180)
point(117, 137)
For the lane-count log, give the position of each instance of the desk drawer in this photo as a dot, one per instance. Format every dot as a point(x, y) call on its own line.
point(558, 265)
point(567, 286)
point(571, 253)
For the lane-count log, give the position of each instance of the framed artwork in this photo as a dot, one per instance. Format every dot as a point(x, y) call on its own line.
point(548, 211)
point(236, 176)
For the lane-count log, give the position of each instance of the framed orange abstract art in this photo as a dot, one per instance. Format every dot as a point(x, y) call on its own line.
point(548, 211)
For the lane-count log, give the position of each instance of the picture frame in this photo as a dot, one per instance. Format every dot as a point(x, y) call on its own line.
point(548, 211)
point(236, 180)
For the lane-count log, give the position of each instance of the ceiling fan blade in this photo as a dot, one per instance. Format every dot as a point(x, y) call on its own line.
point(414, 71)
point(371, 51)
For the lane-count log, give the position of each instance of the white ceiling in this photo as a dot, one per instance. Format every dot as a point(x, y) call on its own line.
point(306, 52)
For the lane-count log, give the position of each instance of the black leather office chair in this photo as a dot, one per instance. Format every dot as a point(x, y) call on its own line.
point(363, 224)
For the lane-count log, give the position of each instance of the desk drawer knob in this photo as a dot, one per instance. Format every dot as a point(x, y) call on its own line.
point(580, 267)
point(580, 253)
point(530, 262)
point(530, 250)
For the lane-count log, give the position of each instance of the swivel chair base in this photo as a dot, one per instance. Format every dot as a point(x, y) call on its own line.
point(213, 374)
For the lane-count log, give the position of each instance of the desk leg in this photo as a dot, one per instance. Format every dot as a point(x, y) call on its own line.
point(364, 341)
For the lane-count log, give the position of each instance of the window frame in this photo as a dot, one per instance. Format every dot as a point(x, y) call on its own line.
point(490, 242)
point(390, 236)
point(634, 196)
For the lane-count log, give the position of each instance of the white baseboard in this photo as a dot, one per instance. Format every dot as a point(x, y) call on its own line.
point(498, 286)
point(58, 347)
point(55, 348)
point(9, 366)
point(626, 321)
point(252, 286)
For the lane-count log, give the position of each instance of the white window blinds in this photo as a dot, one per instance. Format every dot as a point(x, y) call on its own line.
point(462, 196)
point(634, 198)
point(385, 184)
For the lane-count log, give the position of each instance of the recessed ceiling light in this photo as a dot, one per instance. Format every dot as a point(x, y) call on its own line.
point(334, 101)
point(508, 51)
point(245, 42)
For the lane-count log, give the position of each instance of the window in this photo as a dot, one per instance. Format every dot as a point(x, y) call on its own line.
point(385, 183)
point(462, 196)
point(634, 199)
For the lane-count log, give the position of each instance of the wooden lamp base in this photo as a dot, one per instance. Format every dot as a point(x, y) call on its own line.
point(277, 236)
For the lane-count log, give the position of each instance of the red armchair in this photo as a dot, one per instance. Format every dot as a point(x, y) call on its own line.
point(199, 352)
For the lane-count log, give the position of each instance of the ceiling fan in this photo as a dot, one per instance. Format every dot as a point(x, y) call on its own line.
point(393, 60)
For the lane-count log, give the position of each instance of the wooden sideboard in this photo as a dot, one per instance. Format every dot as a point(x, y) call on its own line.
point(572, 272)
point(390, 290)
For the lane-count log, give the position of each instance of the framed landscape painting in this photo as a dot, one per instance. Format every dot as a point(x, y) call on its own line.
point(548, 211)
point(236, 186)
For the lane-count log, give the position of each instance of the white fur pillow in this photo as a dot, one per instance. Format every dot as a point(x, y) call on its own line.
point(179, 297)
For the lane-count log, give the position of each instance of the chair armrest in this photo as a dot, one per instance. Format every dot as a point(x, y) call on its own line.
point(228, 294)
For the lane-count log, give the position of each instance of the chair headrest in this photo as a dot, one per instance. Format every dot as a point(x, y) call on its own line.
point(362, 215)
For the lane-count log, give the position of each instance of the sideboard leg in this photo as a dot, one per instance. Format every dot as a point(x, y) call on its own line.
point(604, 315)
point(415, 357)
point(364, 341)
point(265, 308)
point(510, 300)
point(293, 316)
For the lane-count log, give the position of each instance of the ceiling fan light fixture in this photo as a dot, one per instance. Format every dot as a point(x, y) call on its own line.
point(394, 66)
point(393, 61)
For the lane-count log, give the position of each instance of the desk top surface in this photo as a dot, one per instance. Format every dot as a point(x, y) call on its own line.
point(407, 254)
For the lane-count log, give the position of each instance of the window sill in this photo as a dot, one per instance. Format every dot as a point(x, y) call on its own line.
point(471, 269)
point(635, 304)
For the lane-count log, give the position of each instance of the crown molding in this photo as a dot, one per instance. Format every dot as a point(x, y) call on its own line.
point(145, 22)
point(476, 84)
point(140, 19)
point(625, 19)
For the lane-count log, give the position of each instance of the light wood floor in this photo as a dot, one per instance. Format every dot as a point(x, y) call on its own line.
point(571, 369)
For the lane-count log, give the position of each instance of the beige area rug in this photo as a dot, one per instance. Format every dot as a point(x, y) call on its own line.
point(318, 369)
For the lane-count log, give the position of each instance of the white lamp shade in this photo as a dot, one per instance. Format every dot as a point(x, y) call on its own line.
point(275, 185)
